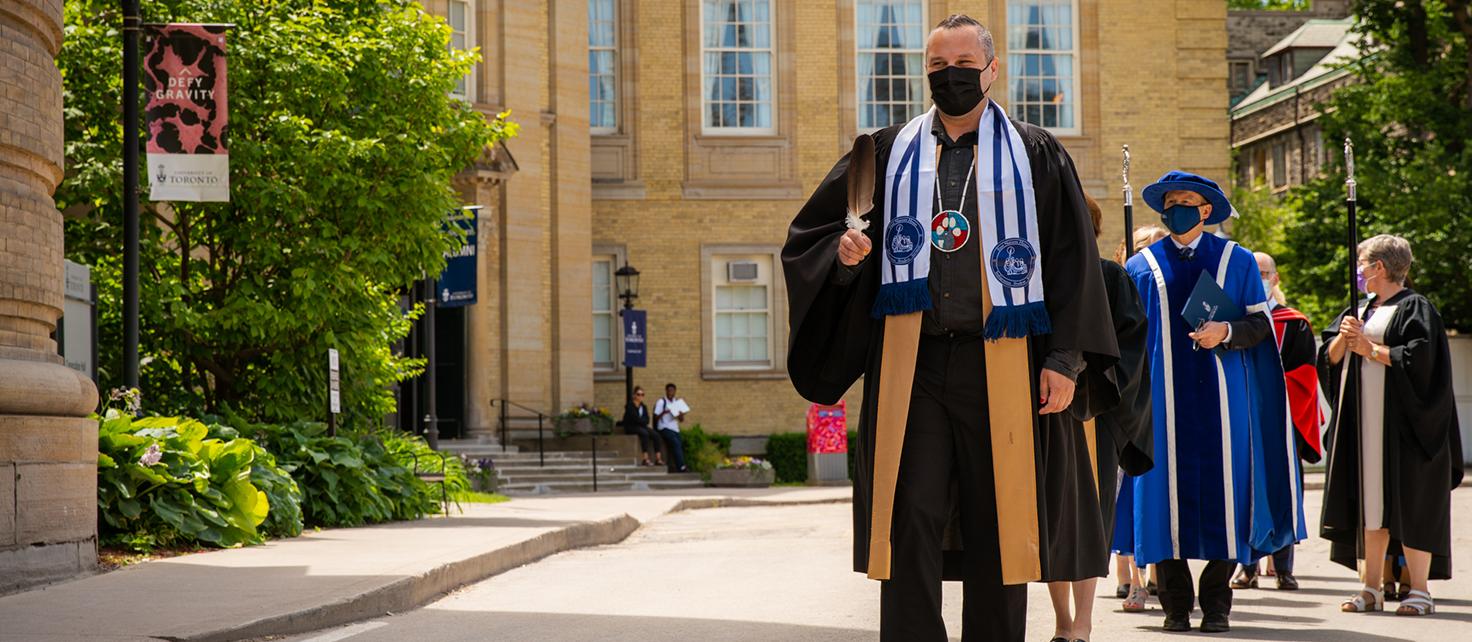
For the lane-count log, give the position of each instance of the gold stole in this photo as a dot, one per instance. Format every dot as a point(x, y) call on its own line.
point(1014, 463)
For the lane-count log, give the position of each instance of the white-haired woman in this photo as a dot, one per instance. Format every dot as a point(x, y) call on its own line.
point(1397, 450)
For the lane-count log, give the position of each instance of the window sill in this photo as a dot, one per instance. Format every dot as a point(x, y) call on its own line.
point(746, 190)
point(601, 376)
point(741, 137)
point(619, 191)
point(743, 375)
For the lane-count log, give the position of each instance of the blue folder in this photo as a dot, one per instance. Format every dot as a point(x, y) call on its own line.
point(1208, 302)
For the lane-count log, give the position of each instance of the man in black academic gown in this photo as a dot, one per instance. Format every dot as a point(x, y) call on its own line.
point(973, 401)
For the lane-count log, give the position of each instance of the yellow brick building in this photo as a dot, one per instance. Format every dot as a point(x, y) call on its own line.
point(681, 136)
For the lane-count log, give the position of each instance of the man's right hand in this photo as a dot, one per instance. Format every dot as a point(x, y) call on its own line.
point(853, 248)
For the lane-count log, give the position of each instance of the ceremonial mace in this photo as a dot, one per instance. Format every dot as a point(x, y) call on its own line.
point(1354, 232)
point(1129, 207)
point(860, 179)
point(1354, 241)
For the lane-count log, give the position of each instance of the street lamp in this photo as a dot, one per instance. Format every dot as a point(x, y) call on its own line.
point(626, 279)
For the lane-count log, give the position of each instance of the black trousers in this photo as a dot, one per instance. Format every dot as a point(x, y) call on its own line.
point(1282, 562)
point(947, 450)
point(1176, 596)
point(647, 440)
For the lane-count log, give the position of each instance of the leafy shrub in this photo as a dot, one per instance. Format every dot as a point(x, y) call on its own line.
point(284, 519)
point(403, 447)
point(162, 481)
point(788, 452)
point(356, 480)
point(704, 451)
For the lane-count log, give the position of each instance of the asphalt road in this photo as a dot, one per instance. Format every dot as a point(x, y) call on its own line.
point(782, 573)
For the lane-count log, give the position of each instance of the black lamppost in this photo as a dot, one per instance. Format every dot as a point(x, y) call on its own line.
point(626, 279)
point(132, 25)
point(431, 416)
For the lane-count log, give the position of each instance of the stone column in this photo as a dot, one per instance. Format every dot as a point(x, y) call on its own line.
point(48, 448)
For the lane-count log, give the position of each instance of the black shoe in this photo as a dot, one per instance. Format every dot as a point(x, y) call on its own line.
point(1244, 581)
point(1151, 588)
point(1177, 623)
point(1122, 591)
point(1286, 582)
point(1215, 623)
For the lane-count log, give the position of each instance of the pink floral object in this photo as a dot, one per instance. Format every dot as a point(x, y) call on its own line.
point(828, 428)
point(151, 456)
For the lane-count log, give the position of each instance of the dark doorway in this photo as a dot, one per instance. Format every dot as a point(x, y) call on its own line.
point(450, 372)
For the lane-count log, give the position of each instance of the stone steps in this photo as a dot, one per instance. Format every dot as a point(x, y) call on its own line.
point(603, 476)
point(527, 472)
point(543, 488)
point(570, 465)
point(475, 447)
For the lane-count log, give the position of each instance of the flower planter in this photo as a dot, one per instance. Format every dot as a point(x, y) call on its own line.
point(570, 426)
point(742, 478)
point(578, 426)
point(484, 483)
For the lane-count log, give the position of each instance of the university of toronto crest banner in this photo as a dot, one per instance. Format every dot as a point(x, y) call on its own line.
point(184, 76)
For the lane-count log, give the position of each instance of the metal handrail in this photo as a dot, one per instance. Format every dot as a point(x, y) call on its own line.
point(541, 446)
point(541, 417)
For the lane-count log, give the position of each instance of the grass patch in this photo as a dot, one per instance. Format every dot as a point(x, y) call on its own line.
point(473, 497)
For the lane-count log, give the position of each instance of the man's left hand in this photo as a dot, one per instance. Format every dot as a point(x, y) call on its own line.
point(1056, 391)
point(1210, 335)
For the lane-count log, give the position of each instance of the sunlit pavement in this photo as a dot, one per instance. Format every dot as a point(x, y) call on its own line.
point(782, 573)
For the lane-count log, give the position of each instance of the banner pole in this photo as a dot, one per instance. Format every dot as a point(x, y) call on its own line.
point(132, 20)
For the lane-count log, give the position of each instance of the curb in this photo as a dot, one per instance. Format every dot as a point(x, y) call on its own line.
point(413, 592)
point(746, 502)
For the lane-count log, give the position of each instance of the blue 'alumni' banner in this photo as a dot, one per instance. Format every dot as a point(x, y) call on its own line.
point(457, 285)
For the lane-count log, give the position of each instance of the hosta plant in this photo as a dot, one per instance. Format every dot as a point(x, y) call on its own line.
point(163, 481)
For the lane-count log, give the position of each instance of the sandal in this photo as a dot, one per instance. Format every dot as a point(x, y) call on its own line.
point(1357, 604)
point(1135, 603)
point(1416, 603)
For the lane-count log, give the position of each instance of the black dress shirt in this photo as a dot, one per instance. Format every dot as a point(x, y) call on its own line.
point(955, 277)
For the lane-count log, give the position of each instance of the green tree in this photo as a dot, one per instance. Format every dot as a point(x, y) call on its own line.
point(1270, 5)
point(1409, 114)
point(343, 141)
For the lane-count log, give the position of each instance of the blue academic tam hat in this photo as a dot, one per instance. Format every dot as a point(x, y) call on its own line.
point(1154, 193)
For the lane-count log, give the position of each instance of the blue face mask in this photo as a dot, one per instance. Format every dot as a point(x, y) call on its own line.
point(1179, 219)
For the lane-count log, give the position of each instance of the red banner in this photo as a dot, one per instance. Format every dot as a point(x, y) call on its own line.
point(184, 76)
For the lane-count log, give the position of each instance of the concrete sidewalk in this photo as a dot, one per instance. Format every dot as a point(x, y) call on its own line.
point(344, 575)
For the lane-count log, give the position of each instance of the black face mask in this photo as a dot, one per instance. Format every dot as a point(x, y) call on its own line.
point(956, 90)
